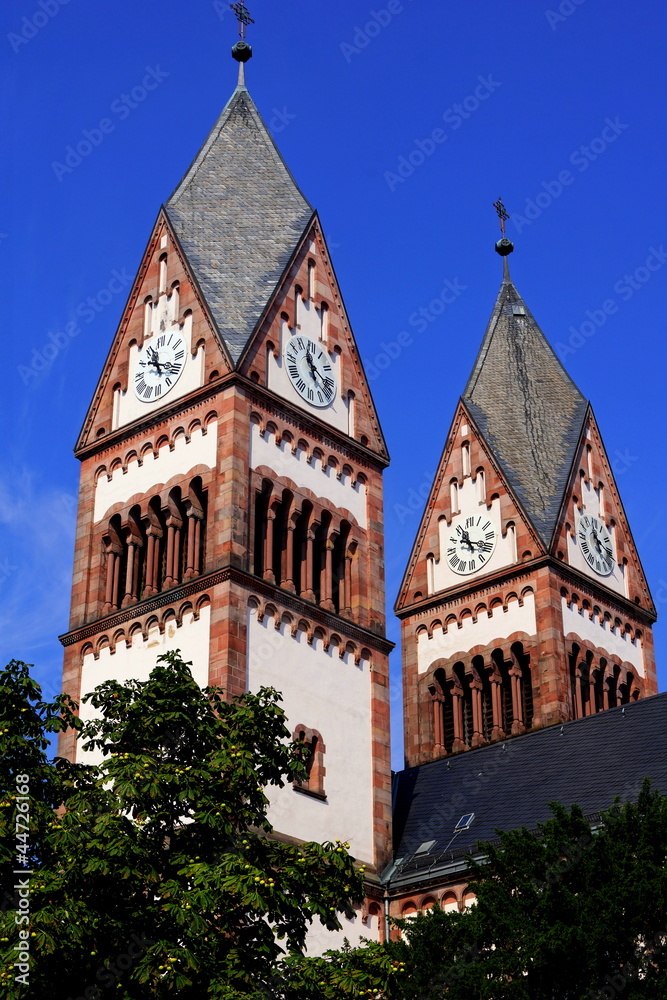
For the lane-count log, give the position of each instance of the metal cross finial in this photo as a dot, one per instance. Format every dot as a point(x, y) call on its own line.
point(243, 17)
point(502, 214)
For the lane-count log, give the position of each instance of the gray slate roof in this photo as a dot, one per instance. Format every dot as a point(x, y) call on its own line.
point(527, 407)
point(239, 215)
point(509, 785)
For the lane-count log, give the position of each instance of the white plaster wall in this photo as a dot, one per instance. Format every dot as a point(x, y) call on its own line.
point(332, 695)
point(163, 320)
point(136, 663)
point(319, 939)
point(487, 628)
point(616, 580)
point(199, 450)
point(309, 324)
point(504, 554)
point(603, 634)
point(322, 480)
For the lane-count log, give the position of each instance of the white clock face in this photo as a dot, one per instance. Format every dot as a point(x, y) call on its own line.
point(159, 366)
point(471, 543)
point(310, 370)
point(595, 544)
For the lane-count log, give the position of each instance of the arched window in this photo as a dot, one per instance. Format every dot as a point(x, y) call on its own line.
point(313, 750)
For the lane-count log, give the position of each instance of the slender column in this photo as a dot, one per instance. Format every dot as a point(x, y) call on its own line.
point(346, 601)
point(497, 732)
point(196, 558)
point(115, 600)
point(268, 546)
point(579, 706)
point(288, 573)
point(606, 694)
point(592, 693)
point(438, 723)
point(130, 595)
point(168, 574)
point(457, 705)
point(151, 547)
point(477, 727)
point(190, 546)
point(111, 594)
point(307, 578)
point(176, 555)
point(517, 702)
point(326, 591)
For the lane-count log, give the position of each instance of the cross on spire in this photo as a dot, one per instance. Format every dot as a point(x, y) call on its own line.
point(502, 214)
point(503, 246)
point(243, 17)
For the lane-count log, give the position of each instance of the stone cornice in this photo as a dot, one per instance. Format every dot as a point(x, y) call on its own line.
point(317, 614)
point(522, 572)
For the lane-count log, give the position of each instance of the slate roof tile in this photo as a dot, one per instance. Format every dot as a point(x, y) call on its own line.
point(527, 407)
point(239, 216)
point(509, 784)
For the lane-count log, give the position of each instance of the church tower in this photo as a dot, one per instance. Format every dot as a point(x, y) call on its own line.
point(231, 483)
point(524, 602)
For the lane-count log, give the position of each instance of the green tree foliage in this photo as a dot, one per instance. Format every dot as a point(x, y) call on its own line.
point(157, 878)
point(572, 912)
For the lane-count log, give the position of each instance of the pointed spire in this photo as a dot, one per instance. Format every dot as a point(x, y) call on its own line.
point(239, 217)
point(526, 406)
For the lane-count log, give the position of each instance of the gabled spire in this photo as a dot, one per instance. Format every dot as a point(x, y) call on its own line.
point(239, 217)
point(528, 409)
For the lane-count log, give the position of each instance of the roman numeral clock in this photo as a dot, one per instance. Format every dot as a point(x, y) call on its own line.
point(159, 366)
point(310, 370)
point(471, 543)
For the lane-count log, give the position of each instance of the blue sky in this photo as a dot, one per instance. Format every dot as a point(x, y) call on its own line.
point(402, 123)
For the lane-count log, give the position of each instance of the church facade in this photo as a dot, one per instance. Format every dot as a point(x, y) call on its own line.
point(231, 506)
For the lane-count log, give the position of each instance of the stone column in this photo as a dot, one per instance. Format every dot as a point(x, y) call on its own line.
point(578, 701)
point(288, 576)
point(268, 574)
point(477, 724)
point(518, 725)
point(497, 732)
point(111, 588)
point(438, 723)
point(326, 584)
point(130, 592)
point(457, 706)
point(307, 592)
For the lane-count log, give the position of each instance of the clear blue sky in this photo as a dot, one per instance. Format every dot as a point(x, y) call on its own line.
point(351, 91)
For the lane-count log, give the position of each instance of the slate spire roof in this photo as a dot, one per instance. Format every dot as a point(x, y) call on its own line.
point(239, 216)
point(527, 407)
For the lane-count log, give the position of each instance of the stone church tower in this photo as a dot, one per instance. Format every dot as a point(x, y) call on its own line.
point(231, 483)
point(524, 602)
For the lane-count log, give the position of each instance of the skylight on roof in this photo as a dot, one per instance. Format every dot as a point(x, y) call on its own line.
point(425, 847)
point(464, 823)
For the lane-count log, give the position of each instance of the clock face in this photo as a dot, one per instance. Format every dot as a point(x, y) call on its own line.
point(595, 544)
point(471, 543)
point(159, 366)
point(310, 370)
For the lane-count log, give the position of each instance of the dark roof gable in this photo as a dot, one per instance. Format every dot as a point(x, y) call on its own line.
point(528, 409)
point(239, 217)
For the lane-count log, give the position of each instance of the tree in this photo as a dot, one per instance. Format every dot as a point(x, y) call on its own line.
point(156, 877)
point(571, 912)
